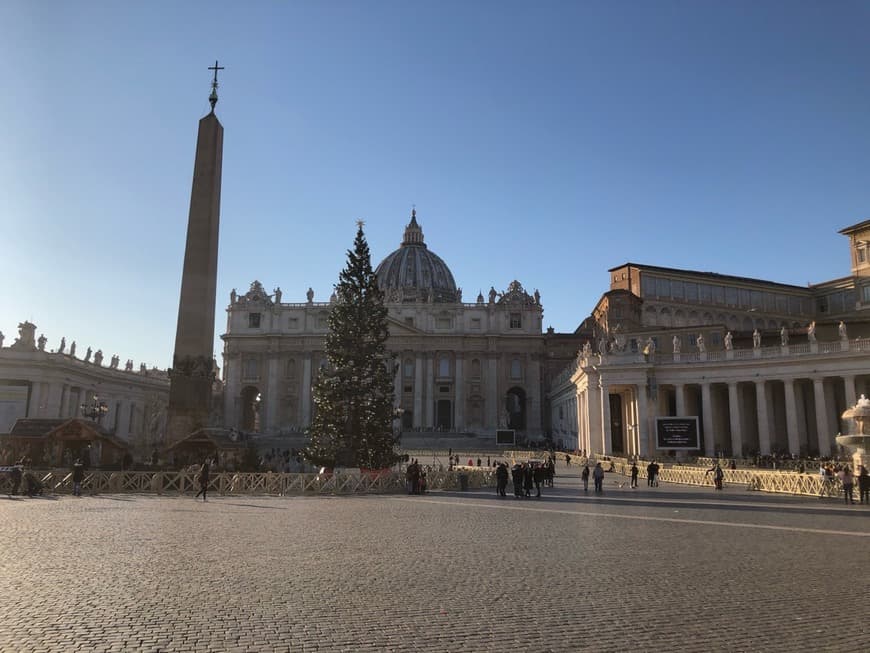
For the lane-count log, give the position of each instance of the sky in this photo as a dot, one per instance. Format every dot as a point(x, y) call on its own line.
point(539, 141)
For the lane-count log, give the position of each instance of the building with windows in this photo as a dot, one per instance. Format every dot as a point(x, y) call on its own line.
point(469, 367)
point(50, 387)
point(765, 367)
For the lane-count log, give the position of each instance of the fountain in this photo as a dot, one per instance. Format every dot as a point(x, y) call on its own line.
point(857, 421)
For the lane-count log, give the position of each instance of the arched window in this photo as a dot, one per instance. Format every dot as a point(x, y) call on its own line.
point(290, 369)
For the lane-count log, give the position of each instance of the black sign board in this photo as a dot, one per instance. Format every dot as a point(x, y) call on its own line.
point(677, 433)
point(505, 437)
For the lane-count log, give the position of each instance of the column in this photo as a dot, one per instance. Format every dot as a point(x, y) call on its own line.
point(33, 404)
point(429, 392)
point(492, 402)
point(794, 445)
point(534, 423)
point(596, 437)
point(642, 428)
point(63, 411)
point(822, 417)
point(680, 394)
point(734, 416)
point(459, 401)
point(606, 436)
point(763, 419)
point(271, 394)
point(418, 392)
point(849, 383)
point(306, 391)
point(707, 410)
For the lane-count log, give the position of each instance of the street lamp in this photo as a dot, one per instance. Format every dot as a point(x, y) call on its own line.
point(95, 410)
point(397, 415)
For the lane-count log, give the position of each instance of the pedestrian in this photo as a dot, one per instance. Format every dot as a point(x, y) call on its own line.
point(517, 477)
point(848, 481)
point(863, 485)
point(528, 479)
point(585, 476)
point(202, 477)
point(501, 478)
point(78, 475)
point(16, 478)
point(567, 460)
point(634, 471)
point(538, 475)
point(598, 477)
point(479, 462)
point(718, 475)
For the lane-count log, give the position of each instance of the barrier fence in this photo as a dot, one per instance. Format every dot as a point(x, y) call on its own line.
point(762, 480)
point(269, 483)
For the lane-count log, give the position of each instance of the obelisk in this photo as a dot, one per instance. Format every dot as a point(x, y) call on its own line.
point(192, 372)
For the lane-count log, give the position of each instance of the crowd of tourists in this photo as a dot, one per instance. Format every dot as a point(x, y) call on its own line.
point(526, 476)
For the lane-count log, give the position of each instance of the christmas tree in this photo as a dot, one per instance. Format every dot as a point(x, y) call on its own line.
point(353, 395)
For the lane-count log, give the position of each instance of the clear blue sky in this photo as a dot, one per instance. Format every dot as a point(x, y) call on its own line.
point(540, 141)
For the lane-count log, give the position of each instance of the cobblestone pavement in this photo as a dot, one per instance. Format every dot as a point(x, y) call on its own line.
point(665, 569)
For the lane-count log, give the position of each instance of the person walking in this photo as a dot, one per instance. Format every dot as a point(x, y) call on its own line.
point(528, 479)
point(848, 481)
point(202, 477)
point(863, 485)
point(634, 472)
point(538, 474)
point(598, 477)
point(585, 476)
point(78, 475)
point(718, 475)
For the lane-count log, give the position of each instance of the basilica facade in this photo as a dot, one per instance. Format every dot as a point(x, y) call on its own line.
point(762, 367)
point(469, 367)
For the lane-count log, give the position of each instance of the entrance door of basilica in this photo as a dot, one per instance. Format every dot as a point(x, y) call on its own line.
point(443, 415)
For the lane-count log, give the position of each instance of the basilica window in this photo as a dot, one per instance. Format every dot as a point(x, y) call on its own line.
point(409, 321)
point(442, 322)
point(253, 320)
point(516, 321)
point(290, 369)
point(293, 323)
point(408, 370)
point(719, 294)
point(252, 368)
point(475, 363)
point(862, 255)
point(516, 369)
point(731, 296)
point(475, 323)
point(443, 367)
point(322, 321)
point(866, 294)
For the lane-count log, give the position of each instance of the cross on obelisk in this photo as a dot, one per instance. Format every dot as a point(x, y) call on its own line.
point(213, 98)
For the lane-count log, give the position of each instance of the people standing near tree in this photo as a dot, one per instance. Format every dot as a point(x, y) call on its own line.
point(585, 476)
point(863, 485)
point(501, 479)
point(848, 481)
point(78, 475)
point(598, 477)
point(202, 477)
point(634, 472)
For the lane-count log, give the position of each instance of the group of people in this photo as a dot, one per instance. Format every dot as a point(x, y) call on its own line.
point(415, 478)
point(847, 479)
point(525, 477)
point(597, 475)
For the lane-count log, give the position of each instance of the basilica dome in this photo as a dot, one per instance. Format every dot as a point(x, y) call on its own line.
point(414, 273)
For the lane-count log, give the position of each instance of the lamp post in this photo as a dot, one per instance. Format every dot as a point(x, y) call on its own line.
point(95, 410)
point(397, 415)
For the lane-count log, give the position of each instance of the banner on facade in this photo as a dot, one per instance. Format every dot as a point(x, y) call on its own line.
point(677, 433)
point(505, 437)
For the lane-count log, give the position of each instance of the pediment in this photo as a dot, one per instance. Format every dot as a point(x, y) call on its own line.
point(401, 329)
